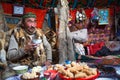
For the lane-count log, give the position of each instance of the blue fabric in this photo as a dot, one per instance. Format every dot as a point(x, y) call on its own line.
point(53, 3)
point(75, 4)
point(41, 2)
point(49, 20)
point(118, 32)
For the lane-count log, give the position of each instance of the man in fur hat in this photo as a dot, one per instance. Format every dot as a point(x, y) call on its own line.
point(28, 45)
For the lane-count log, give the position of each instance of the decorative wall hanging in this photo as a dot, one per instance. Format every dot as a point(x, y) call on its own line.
point(12, 21)
point(18, 10)
point(80, 16)
point(104, 16)
point(95, 16)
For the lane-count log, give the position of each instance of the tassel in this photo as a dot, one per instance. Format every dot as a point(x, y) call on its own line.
point(37, 51)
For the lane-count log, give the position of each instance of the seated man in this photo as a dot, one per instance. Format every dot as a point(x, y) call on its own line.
point(28, 45)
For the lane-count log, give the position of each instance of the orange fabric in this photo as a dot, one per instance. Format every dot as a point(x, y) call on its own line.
point(94, 48)
point(40, 15)
point(88, 12)
point(8, 9)
point(73, 14)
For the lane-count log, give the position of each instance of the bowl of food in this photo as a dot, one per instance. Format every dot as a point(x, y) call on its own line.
point(20, 69)
point(37, 69)
point(80, 76)
point(30, 76)
point(77, 71)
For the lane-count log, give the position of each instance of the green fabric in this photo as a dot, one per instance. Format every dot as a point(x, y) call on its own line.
point(29, 15)
point(118, 56)
point(83, 58)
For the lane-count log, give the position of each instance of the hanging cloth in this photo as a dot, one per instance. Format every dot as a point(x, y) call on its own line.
point(94, 16)
point(51, 19)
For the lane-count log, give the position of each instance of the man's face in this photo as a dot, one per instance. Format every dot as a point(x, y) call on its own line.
point(30, 25)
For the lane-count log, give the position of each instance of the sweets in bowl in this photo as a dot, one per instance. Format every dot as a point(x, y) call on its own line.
point(37, 69)
point(77, 71)
point(33, 75)
point(30, 76)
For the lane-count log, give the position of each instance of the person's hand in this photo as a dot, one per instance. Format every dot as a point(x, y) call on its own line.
point(30, 46)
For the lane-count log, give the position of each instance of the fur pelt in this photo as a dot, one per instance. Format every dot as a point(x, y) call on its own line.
point(39, 52)
point(3, 62)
